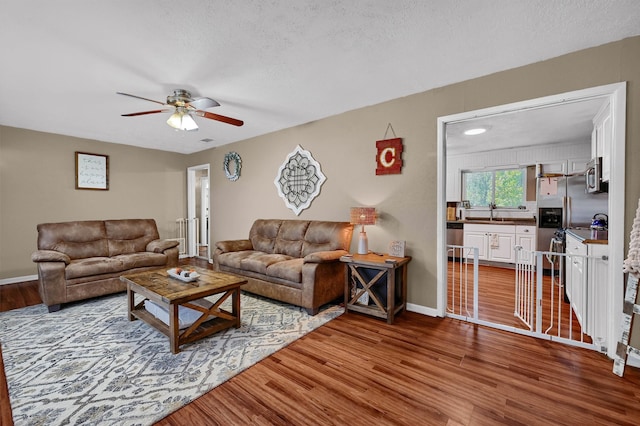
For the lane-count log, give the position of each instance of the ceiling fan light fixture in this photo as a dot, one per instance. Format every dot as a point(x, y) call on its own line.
point(181, 120)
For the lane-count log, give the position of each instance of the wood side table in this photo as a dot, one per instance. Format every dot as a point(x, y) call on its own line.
point(375, 285)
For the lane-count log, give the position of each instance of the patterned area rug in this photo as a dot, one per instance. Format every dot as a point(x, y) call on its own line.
point(87, 364)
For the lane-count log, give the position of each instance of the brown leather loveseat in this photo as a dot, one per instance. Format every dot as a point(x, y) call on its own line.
point(294, 261)
point(84, 259)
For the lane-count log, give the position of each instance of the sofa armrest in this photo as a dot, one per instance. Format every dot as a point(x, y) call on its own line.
point(325, 256)
point(50, 256)
point(233, 245)
point(159, 246)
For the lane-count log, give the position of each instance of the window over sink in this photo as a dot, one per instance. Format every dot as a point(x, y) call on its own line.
point(502, 188)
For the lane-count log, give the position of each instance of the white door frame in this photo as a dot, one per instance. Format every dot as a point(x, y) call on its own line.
point(192, 249)
point(617, 94)
point(204, 210)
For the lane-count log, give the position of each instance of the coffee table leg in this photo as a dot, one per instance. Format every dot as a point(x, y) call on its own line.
point(174, 331)
point(130, 300)
point(235, 300)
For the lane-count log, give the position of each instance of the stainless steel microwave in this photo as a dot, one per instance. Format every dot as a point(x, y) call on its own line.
point(593, 177)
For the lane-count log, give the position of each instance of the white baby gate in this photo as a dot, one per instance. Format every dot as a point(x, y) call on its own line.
point(539, 298)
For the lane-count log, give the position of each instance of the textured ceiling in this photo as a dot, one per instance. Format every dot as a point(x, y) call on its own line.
point(274, 64)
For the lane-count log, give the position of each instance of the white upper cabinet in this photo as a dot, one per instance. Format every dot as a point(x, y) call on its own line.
point(601, 138)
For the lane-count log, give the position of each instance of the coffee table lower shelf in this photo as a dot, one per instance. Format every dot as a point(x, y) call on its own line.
point(207, 328)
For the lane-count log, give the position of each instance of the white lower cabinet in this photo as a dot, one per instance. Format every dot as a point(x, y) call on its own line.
point(526, 238)
point(476, 238)
point(598, 289)
point(576, 277)
point(587, 272)
point(497, 242)
point(501, 247)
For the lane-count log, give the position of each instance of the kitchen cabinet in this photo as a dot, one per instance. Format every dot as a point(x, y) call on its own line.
point(476, 238)
point(586, 282)
point(494, 242)
point(526, 238)
point(454, 184)
point(577, 166)
point(598, 275)
point(501, 247)
point(576, 277)
point(602, 138)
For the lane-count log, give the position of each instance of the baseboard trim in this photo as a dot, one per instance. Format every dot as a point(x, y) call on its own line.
point(633, 360)
point(18, 279)
point(424, 310)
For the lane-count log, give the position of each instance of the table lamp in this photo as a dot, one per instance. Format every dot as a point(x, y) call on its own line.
point(363, 216)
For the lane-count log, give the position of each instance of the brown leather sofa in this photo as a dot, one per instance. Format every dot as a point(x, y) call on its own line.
point(294, 261)
point(84, 259)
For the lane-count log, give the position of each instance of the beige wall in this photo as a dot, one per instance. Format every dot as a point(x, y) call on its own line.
point(37, 184)
point(344, 145)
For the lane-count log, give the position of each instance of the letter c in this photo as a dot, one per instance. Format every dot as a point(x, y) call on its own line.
point(388, 151)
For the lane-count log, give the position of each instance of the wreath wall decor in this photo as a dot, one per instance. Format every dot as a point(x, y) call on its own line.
point(299, 180)
point(237, 165)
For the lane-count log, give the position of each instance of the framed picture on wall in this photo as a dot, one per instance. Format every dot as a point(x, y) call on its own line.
point(92, 171)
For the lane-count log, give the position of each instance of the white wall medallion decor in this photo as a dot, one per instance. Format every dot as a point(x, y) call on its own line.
point(299, 180)
point(231, 165)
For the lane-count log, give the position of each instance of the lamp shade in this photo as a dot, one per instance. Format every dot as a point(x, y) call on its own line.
point(363, 215)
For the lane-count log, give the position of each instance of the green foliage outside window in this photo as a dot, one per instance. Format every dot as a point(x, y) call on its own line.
point(504, 188)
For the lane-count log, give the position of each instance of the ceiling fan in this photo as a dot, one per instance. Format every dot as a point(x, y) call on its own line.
point(184, 108)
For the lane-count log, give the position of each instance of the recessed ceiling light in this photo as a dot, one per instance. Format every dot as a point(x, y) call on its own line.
point(476, 131)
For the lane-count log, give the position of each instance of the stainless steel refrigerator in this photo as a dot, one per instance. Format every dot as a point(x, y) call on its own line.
point(568, 193)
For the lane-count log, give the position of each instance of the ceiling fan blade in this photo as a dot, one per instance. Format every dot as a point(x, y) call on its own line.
point(140, 97)
point(203, 103)
point(155, 111)
point(217, 117)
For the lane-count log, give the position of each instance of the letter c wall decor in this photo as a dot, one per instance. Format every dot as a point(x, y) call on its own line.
point(389, 157)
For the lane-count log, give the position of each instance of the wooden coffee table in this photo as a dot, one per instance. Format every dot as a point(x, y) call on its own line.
point(170, 293)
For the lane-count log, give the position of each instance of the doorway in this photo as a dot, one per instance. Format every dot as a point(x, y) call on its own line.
point(198, 208)
point(616, 95)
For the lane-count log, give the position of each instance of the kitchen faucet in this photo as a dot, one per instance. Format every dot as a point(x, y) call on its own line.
point(492, 207)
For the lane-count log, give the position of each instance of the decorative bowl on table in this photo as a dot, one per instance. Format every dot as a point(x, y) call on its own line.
point(186, 275)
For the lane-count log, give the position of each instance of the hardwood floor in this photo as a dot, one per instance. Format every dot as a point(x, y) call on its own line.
point(496, 301)
point(420, 370)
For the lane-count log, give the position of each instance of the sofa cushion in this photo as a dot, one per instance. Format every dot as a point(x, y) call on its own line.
point(263, 244)
point(263, 234)
point(130, 235)
point(290, 248)
point(290, 270)
point(93, 266)
point(234, 258)
point(140, 260)
point(261, 261)
point(290, 237)
point(77, 240)
point(326, 236)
